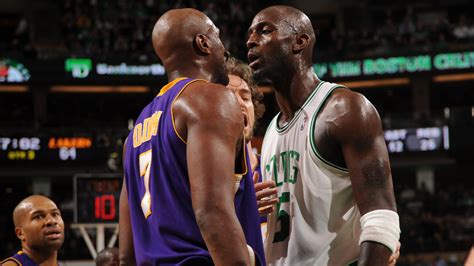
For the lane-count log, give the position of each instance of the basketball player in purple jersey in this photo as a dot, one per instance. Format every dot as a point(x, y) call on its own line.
point(39, 226)
point(249, 97)
point(188, 195)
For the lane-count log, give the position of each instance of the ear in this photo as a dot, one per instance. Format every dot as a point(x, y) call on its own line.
point(19, 234)
point(202, 43)
point(302, 40)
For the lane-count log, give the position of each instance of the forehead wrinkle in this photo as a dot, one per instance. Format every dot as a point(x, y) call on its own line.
point(240, 81)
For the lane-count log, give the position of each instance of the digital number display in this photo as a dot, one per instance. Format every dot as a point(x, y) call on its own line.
point(53, 148)
point(417, 139)
point(96, 198)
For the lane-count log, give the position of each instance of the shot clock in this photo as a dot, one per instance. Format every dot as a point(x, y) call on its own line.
point(96, 198)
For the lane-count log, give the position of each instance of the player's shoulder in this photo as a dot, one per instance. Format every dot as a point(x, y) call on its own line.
point(203, 87)
point(345, 95)
point(10, 262)
point(344, 100)
point(207, 92)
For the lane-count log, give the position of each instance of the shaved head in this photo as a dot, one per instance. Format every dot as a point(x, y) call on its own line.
point(39, 225)
point(296, 20)
point(188, 44)
point(176, 29)
point(281, 40)
point(26, 206)
point(107, 257)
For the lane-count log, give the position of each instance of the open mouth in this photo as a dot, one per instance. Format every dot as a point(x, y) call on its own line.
point(246, 120)
point(253, 59)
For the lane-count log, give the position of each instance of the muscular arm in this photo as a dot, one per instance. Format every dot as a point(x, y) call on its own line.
point(209, 118)
point(126, 249)
point(357, 127)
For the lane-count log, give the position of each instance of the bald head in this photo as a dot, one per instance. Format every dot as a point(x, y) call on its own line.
point(296, 21)
point(107, 257)
point(188, 44)
point(175, 30)
point(29, 204)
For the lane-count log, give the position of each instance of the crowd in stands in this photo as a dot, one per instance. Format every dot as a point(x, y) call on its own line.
point(436, 222)
point(122, 29)
point(407, 33)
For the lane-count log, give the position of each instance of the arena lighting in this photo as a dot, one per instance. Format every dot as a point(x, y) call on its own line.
point(99, 89)
point(453, 77)
point(376, 83)
point(13, 88)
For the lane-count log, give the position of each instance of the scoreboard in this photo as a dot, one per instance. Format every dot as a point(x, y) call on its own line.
point(50, 148)
point(421, 139)
point(96, 198)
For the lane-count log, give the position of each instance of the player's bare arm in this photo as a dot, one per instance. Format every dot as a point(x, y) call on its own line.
point(126, 250)
point(212, 124)
point(355, 125)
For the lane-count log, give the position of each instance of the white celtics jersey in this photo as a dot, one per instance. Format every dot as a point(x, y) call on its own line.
point(317, 220)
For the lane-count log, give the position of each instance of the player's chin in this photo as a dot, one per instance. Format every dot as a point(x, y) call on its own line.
point(261, 77)
point(55, 242)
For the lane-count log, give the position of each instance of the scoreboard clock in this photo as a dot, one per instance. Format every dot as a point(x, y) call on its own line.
point(96, 198)
point(51, 148)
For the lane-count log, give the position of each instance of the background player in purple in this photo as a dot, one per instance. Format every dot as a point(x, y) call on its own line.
point(182, 201)
point(39, 226)
point(246, 90)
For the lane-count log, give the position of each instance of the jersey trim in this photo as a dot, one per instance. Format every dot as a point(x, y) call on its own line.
point(11, 259)
point(165, 88)
point(176, 97)
point(295, 117)
point(244, 154)
point(312, 128)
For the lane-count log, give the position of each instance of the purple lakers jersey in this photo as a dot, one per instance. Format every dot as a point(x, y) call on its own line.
point(164, 227)
point(21, 259)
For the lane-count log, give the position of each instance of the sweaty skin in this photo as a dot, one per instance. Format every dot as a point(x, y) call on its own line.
point(348, 130)
point(188, 44)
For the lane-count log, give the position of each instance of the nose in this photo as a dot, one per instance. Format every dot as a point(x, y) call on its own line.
point(51, 221)
point(251, 42)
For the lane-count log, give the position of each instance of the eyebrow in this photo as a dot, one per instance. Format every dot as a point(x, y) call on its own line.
point(43, 211)
point(260, 24)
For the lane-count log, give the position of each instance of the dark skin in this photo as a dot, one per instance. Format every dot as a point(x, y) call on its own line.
point(348, 129)
point(188, 44)
point(39, 226)
point(107, 257)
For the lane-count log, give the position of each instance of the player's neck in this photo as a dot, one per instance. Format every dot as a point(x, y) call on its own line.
point(189, 73)
point(42, 258)
point(291, 96)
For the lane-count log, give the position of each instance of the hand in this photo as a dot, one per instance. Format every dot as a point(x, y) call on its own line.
point(393, 259)
point(264, 191)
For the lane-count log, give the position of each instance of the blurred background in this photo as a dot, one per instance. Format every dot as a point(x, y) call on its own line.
point(74, 74)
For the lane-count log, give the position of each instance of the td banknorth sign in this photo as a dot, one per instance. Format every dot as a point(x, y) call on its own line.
point(81, 68)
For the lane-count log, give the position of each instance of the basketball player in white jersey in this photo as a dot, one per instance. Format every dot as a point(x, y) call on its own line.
point(326, 153)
